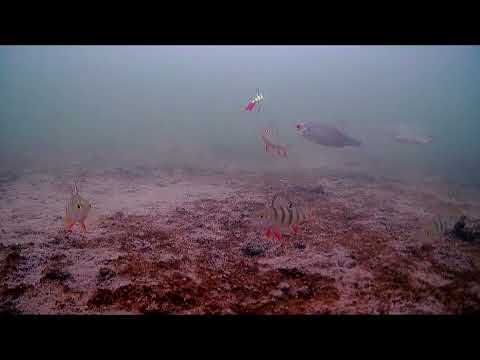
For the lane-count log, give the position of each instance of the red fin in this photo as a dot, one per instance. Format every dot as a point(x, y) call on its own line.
point(294, 229)
point(69, 223)
point(278, 235)
point(268, 233)
point(311, 217)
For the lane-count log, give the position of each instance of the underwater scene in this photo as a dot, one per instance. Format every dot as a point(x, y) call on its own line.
point(239, 179)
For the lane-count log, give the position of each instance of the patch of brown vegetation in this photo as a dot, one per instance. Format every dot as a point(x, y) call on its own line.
point(54, 270)
point(130, 232)
point(167, 296)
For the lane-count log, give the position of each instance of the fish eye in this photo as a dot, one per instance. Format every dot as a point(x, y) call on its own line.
point(79, 206)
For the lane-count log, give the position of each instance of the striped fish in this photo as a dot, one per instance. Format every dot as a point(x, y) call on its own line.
point(271, 145)
point(438, 227)
point(77, 210)
point(277, 218)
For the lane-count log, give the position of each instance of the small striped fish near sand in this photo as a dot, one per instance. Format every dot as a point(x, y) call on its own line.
point(437, 228)
point(278, 218)
point(77, 210)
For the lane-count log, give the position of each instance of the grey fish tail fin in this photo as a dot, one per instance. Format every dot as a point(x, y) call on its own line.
point(356, 142)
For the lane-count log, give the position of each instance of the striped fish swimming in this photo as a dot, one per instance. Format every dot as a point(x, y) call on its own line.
point(271, 144)
point(278, 218)
point(77, 210)
point(437, 228)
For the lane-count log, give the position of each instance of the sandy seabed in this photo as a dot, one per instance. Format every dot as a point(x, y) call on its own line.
point(163, 242)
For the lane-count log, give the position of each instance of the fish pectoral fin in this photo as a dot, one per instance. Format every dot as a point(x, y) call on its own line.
point(295, 229)
point(69, 222)
point(277, 234)
point(70, 225)
point(84, 227)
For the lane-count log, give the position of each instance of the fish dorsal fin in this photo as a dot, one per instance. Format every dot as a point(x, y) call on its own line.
point(281, 200)
point(272, 133)
point(75, 187)
point(268, 133)
point(453, 211)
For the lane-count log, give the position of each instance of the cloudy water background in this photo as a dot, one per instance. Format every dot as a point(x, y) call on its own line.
point(72, 107)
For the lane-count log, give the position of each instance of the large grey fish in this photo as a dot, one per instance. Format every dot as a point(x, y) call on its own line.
point(326, 135)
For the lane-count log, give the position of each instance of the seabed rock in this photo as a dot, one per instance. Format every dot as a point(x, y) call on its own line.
point(466, 231)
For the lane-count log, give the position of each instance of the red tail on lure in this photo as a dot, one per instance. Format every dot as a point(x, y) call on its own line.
point(250, 106)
